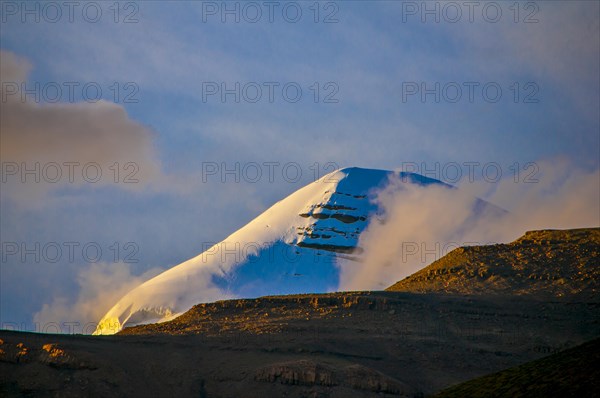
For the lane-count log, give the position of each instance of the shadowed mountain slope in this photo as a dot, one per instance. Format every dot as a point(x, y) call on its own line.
point(572, 373)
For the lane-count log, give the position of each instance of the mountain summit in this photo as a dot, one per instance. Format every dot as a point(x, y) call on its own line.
point(290, 248)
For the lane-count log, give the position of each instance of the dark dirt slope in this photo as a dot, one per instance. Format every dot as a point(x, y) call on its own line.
point(572, 373)
point(544, 264)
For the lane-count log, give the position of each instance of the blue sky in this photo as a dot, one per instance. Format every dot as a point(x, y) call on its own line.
point(365, 58)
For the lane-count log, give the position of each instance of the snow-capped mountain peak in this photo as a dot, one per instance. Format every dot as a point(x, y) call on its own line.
point(292, 247)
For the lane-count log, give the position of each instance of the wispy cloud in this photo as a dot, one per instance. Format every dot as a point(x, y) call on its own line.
point(421, 224)
point(100, 286)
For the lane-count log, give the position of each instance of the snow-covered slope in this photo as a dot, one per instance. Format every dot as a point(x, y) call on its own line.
point(290, 248)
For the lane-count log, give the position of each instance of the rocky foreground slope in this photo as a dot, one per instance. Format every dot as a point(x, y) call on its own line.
point(347, 344)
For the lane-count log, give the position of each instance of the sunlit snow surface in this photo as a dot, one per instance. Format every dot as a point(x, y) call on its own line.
point(290, 248)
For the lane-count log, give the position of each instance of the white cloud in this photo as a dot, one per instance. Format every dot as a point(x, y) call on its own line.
point(423, 223)
point(99, 134)
point(100, 286)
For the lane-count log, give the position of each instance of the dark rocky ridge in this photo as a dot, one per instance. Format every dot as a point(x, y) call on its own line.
point(547, 263)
